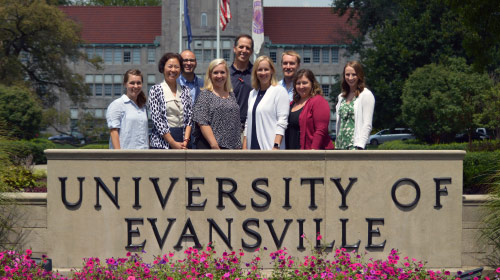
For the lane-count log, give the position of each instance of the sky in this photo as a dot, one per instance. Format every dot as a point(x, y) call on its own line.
point(297, 3)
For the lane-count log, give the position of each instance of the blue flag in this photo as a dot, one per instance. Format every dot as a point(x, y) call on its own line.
point(188, 24)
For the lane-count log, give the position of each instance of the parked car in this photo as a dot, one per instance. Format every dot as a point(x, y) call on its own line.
point(391, 134)
point(478, 134)
point(73, 138)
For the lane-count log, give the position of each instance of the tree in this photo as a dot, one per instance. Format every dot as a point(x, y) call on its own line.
point(20, 111)
point(440, 100)
point(36, 43)
point(490, 113)
point(423, 32)
point(481, 19)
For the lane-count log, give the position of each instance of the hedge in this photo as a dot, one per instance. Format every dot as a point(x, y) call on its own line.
point(481, 160)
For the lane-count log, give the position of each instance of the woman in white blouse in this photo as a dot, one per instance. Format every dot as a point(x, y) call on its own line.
point(268, 108)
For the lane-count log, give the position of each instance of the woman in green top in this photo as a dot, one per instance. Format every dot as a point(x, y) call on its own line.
point(354, 109)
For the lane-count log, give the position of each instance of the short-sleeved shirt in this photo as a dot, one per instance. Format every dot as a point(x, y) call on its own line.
point(242, 85)
point(222, 115)
point(194, 86)
point(131, 121)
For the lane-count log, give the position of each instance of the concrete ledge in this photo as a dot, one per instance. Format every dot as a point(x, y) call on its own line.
point(26, 198)
point(173, 155)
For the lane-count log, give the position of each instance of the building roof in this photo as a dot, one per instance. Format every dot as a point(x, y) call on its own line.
point(306, 26)
point(116, 25)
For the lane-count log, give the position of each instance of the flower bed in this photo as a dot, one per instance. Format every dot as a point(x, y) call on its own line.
point(204, 264)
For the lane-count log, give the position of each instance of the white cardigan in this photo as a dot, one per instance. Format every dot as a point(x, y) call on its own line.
point(363, 115)
point(271, 117)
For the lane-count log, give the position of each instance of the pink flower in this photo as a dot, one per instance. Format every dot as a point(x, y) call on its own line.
point(28, 252)
point(319, 237)
point(498, 269)
point(131, 278)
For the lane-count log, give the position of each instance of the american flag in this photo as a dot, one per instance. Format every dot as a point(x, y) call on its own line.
point(225, 14)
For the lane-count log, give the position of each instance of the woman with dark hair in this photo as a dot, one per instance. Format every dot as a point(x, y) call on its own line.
point(127, 117)
point(216, 112)
point(170, 106)
point(309, 115)
point(354, 109)
point(267, 113)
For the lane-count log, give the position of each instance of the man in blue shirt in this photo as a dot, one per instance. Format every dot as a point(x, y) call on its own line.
point(188, 77)
point(290, 63)
point(241, 73)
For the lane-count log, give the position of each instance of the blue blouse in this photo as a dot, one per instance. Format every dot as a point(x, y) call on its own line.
point(131, 121)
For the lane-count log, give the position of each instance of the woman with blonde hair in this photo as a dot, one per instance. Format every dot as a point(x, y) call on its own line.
point(309, 115)
point(354, 109)
point(216, 112)
point(268, 107)
point(127, 117)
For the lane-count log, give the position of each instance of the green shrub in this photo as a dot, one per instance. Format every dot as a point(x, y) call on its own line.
point(95, 146)
point(478, 168)
point(17, 178)
point(480, 162)
point(26, 152)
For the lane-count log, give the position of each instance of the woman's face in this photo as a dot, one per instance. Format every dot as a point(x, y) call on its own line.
point(172, 70)
point(219, 76)
point(133, 86)
point(264, 73)
point(350, 77)
point(303, 86)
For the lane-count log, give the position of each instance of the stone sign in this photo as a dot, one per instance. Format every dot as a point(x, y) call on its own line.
point(104, 203)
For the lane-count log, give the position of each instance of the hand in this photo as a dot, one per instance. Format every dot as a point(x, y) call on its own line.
point(215, 147)
point(276, 149)
point(185, 144)
point(177, 145)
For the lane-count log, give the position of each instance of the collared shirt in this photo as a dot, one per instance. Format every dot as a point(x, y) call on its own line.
point(194, 86)
point(131, 121)
point(242, 85)
point(289, 90)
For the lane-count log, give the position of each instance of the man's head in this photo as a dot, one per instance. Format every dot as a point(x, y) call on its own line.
point(290, 63)
point(188, 62)
point(243, 48)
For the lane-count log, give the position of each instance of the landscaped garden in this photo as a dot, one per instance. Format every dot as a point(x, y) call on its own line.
point(204, 264)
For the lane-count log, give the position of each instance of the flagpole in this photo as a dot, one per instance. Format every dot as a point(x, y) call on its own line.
point(218, 27)
point(180, 24)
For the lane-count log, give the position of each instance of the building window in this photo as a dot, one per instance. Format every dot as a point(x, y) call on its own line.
point(117, 89)
point(307, 56)
point(207, 55)
point(126, 56)
point(98, 53)
point(226, 54)
point(108, 56)
point(118, 56)
point(272, 55)
point(108, 89)
point(98, 89)
point(99, 113)
point(203, 20)
point(326, 90)
point(326, 56)
point(89, 52)
point(73, 114)
point(316, 55)
point(137, 56)
point(151, 55)
point(335, 55)
point(151, 82)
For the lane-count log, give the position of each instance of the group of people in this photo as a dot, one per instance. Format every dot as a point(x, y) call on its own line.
point(241, 106)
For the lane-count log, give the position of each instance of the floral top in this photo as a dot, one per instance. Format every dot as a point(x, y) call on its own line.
point(345, 135)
